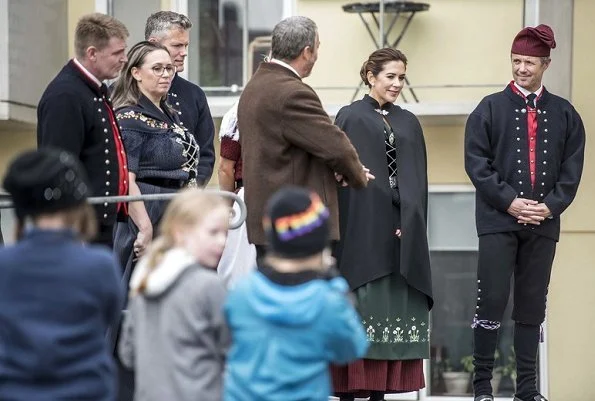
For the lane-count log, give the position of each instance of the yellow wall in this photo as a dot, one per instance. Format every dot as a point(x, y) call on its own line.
point(461, 41)
point(76, 9)
point(454, 42)
point(571, 294)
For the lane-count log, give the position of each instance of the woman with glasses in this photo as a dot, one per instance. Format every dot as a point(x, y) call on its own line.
point(162, 155)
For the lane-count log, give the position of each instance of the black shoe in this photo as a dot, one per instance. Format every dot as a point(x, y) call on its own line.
point(484, 398)
point(536, 398)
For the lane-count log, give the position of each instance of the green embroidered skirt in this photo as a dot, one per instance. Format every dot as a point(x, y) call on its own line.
point(396, 319)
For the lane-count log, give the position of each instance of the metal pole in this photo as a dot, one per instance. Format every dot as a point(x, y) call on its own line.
point(97, 200)
point(245, 76)
point(381, 40)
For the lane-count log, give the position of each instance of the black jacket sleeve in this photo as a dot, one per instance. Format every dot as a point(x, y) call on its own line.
point(478, 164)
point(60, 123)
point(204, 132)
point(571, 168)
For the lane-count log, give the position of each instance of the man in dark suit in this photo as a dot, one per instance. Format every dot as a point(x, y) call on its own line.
point(172, 30)
point(75, 113)
point(524, 152)
point(287, 137)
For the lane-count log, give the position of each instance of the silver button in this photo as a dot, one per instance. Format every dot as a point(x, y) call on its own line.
point(539, 111)
point(107, 172)
point(522, 193)
point(479, 290)
point(105, 216)
point(518, 161)
point(107, 194)
point(106, 140)
point(545, 120)
point(517, 118)
point(106, 151)
point(124, 181)
point(523, 111)
point(103, 120)
point(518, 150)
point(544, 112)
point(518, 139)
point(105, 130)
point(99, 110)
point(544, 173)
point(541, 195)
point(105, 204)
point(532, 173)
point(107, 162)
point(543, 184)
point(518, 128)
point(478, 281)
point(177, 103)
point(545, 130)
point(179, 112)
point(544, 162)
point(182, 123)
point(107, 183)
point(94, 99)
point(520, 171)
point(516, 111)
point(545, 141)
point(521, 182)
point(545, 151)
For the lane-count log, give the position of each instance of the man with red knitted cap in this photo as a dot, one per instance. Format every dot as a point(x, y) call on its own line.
point(524, 151)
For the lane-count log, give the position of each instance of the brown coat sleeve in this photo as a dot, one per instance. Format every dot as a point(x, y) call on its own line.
point(307, 126)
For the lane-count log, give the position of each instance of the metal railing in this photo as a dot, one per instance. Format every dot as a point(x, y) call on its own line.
point(235, 223)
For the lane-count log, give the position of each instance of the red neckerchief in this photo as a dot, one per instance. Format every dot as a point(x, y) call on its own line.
point(531, 131)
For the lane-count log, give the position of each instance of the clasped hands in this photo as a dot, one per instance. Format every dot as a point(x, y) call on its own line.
point(341, 180)
point(528, 211)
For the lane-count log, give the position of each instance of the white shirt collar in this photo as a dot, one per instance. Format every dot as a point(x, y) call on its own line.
point(526, 92)
point(284, 64)
point(86, 72)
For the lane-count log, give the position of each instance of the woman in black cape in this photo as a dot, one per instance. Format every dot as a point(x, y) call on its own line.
point(383, 252)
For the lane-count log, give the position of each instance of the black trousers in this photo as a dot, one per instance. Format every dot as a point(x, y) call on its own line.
point(105, 235)
point(528, 259)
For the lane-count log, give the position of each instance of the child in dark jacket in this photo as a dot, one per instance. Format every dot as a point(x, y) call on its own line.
point(292, 317)
point(58, 296)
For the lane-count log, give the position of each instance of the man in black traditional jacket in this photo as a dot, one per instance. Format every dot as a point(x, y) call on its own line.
point(172, 30)
point(524, 151)
point(75, 113)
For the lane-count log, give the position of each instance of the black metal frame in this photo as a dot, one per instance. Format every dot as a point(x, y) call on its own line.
point(406, 9)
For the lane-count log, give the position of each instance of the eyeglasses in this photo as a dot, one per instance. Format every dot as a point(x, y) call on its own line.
point(159, 69)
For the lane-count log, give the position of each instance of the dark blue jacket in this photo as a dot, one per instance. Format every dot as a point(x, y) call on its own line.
point(194, 112)
point(72, 115)
point(497, 159)
point(57, 299)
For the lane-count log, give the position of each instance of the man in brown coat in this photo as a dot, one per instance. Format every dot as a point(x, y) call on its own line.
point(287, 137)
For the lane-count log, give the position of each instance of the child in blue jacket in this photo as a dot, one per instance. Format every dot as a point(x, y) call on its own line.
point(292, 317)
point(58, 295)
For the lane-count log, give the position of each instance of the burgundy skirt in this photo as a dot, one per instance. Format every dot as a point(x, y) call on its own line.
point(365, 375)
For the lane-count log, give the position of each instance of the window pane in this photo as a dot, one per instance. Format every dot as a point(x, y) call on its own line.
point(127, 11)
point(216, 53)
point(452, 337)
point(451, 224)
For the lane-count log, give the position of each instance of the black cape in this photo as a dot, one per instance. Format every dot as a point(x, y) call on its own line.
point(367, 247)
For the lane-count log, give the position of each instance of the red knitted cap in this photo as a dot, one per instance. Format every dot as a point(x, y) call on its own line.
point(535, 42)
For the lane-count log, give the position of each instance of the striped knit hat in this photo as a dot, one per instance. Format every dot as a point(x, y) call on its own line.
point(296, 223)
